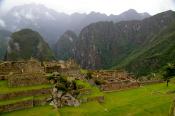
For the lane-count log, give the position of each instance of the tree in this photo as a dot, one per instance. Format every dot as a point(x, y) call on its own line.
point(169, 73)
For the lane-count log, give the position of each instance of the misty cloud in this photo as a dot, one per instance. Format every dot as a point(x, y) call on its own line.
point(103, 6)
point(2, 23)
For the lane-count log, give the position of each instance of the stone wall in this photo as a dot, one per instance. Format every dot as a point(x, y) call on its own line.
point(111, 74)
point(16, 106)
point(119, 85)
point(22, 105)
point(7, 96)
point(150, 82)
point(27, 79)
point(2, 77)
point(10, 67)
point(60, 66)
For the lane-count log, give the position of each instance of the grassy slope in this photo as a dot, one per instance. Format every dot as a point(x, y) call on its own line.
point(20, 99)
point(94, 90)
point(155, 54)
point(5, 89)
point(144, 101)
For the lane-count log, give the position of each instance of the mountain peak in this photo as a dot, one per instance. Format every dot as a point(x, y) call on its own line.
point(132, 14)
point(27, 43)
point(130, 11)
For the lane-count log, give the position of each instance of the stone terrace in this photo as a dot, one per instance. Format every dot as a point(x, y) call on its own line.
point(23, 84)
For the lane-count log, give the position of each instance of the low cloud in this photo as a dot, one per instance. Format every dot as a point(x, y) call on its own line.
point(2, 23)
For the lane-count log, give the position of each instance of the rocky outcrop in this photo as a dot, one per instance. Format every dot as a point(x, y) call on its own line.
point(60, 99)
point(64, 92)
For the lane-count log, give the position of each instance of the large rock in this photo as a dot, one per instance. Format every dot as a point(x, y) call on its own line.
point(69, 100)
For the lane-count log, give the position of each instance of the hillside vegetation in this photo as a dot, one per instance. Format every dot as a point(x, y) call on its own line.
point(104, 45)
point(154, 55)
point(25, 44)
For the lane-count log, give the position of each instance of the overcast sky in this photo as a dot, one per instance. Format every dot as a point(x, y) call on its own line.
point(103, 6)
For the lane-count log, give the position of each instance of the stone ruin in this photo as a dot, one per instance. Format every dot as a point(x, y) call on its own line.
point(32, 72)
point(22, 73)
point(27, 79)
point(60, 66)
point(68, 68)
point(114, 79)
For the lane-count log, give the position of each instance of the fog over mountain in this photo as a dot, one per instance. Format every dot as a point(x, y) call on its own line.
point(52, 24)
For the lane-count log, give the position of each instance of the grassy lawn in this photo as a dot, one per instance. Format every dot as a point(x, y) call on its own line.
point(5, 89)
point(151, 100)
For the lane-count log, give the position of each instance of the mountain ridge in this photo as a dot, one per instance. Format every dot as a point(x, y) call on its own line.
point(52, 24)
point(99, 41)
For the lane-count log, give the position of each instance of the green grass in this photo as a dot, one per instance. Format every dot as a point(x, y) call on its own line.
point(5, 89)
point(150, 100)
point(94, 90)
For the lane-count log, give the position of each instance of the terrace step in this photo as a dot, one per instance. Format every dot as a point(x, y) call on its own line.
point(7, 93)
point(20, 103)
point(16, 104)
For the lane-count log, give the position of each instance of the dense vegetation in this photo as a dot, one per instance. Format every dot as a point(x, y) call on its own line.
point(154, 55)
point(26, 44)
